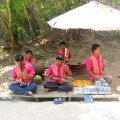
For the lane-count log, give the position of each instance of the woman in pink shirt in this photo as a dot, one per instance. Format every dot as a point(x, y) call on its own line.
point(23, 74)
point(55, 73)
point(95, 66)
point(29, 57)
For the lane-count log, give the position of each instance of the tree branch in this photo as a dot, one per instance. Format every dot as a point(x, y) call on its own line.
point(32, 28)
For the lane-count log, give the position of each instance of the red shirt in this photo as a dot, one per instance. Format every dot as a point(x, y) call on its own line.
point(64, 53)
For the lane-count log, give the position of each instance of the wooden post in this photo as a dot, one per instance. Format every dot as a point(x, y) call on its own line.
point(92, 36)
point(69, 99)
point(64, 99)
point(65, 36)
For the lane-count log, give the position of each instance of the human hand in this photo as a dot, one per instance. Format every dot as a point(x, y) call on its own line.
point(22, 74)
point(50, 77)
point(64, 68)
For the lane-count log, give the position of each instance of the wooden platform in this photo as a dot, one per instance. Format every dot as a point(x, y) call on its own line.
point(43, 94)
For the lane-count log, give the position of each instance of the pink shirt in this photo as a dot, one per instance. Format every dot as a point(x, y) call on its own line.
point(64, 53)
point(31, 71)
point(50, 72)
point(89, 66)
point(30, 61)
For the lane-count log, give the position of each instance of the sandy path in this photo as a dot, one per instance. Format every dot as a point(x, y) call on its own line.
point(68, 110)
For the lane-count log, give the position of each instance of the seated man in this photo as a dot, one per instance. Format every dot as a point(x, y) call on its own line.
point(65, 52)
point(95, 66)
point(26, 77)
point(29, 57)
point(56, 73)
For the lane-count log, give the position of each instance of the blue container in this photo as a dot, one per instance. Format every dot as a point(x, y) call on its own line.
point(88, 99)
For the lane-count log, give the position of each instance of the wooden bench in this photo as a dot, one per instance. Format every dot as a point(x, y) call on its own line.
point(42, 93)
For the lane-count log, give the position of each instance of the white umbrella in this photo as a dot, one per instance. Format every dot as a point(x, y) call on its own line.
point(93, 15)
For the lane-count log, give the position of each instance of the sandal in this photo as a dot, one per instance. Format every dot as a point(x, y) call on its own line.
point(60, 100)
point(55, 101)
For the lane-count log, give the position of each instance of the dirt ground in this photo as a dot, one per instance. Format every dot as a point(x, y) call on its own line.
point(67, 110)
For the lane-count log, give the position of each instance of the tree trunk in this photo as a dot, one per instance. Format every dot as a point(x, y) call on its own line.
point(29, 20)
point(10, 25)
point(5, 24)
point(3, 18)
point(111, 2)
point(31, 27)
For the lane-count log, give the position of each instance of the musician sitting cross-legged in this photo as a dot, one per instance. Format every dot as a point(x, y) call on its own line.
point(56, 73)
point(23, 74)
point(95, 66)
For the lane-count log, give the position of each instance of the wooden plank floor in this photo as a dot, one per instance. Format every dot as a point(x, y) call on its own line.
point(42, 93)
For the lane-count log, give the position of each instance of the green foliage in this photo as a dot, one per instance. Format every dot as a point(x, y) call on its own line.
point(39, 12)
point(1, 50)
point(38, 57)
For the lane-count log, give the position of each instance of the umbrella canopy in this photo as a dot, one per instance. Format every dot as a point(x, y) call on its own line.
point(93, 15)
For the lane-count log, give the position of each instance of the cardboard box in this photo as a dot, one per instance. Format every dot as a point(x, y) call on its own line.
point(97, 83)
point(93, 90)
point(86, 90)
point(100, 90)
point(105, 84)
point(78, 90)
point(107, 90)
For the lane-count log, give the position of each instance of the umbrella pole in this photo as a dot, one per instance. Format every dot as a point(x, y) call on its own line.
point(65, 54)
point(66, 36)
point(92, 36)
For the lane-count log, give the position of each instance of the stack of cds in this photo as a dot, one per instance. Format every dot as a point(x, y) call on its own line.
point(97, 89)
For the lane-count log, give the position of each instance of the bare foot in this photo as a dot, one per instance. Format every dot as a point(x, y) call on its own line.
point(30, 93)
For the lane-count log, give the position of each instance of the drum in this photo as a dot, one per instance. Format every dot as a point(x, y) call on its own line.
point(38, 67)
point(76, 67)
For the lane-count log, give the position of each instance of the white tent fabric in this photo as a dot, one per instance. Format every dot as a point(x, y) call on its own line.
point(93, 15)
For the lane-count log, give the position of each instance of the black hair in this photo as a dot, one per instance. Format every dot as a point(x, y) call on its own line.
point(19, 58)
point(95, 46)
point(60, 57)
point(29, 51)
point(62, 43)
